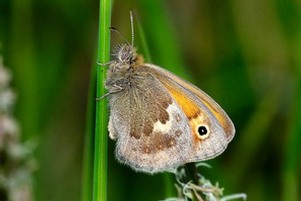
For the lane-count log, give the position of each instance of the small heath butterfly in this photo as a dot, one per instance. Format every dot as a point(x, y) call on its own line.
point(159, 120)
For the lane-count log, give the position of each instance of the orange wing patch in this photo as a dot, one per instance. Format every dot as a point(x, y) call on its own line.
point(191, 110)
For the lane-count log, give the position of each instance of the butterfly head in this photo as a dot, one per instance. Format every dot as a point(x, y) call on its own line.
point(125, 53)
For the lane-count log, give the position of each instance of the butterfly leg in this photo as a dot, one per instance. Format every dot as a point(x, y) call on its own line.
point(104, 64)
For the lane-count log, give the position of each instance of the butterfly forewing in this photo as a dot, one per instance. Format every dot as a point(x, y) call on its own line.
point(153, 132)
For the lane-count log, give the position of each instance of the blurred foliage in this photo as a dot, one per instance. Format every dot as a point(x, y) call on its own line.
point(245, 54)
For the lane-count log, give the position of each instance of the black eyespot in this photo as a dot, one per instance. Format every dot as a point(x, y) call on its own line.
point(202, 130)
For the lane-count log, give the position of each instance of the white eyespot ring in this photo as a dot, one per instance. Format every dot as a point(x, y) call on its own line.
point(202, 132)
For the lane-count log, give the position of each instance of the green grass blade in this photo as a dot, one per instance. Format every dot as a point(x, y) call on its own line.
point(166, 47)
point(24, 63)
point(145, 49)
point(292, 154)
point(101, 116)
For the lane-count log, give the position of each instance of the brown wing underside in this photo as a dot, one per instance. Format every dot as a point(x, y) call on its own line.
point(151, 130)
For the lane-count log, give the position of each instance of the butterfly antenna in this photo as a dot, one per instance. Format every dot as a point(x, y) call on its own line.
point(132, 27)
point(119, 34)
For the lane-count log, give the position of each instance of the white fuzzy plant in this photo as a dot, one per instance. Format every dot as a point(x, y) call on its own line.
point(17, 162)
point(204, 190)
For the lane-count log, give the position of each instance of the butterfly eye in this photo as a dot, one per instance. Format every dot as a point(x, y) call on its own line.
point(203, 132)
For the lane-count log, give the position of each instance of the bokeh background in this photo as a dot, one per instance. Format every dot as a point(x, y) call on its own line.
point(245, 54)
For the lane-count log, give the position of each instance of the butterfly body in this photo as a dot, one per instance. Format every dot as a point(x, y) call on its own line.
point(159, 120)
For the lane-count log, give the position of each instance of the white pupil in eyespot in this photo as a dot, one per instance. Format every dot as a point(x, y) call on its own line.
point(202, 130)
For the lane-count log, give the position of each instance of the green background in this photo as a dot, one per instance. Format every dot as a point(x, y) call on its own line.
point(245, 54)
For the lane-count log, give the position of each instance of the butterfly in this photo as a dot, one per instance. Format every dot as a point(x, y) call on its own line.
point(159, 120)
